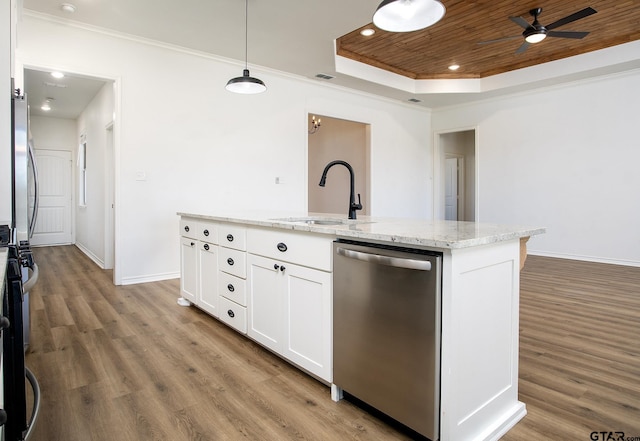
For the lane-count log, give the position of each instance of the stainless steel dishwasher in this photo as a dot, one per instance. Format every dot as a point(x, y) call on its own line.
point(386, 330)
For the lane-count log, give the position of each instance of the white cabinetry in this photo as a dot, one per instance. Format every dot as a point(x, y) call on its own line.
point(199, 264)
point(232, 263)
point(290, 304)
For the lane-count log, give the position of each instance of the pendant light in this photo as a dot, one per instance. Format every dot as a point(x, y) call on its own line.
point(407, 15)
point(246, 84)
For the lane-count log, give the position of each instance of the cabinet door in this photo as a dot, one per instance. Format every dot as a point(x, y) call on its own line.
point(188, 268)
point(264, 303)
point(208, 270)
point(308, 331)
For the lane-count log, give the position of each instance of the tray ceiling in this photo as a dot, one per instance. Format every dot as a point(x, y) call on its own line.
point(426, 54)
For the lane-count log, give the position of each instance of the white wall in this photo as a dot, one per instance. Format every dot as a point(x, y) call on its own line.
point(90, 223)
point(54, 133)
point(5, 113)
point(204, 149)
point(565, 158)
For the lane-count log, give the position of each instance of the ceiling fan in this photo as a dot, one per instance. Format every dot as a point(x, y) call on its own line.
point(535, 32)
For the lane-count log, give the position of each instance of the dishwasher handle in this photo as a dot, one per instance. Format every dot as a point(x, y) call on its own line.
point(397, 262)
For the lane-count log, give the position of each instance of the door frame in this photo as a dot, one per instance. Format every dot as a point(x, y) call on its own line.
point(439, 172)
point(115, 123)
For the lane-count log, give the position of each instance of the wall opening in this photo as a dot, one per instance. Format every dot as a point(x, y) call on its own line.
point(338, 139)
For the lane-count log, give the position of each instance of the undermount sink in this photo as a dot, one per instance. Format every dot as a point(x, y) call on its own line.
point(316, 220)
point(320, 220)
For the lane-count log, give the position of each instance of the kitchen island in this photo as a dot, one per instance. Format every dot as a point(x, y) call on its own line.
point(247, 254)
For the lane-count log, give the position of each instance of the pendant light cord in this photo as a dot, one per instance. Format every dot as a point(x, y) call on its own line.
point(246, 34)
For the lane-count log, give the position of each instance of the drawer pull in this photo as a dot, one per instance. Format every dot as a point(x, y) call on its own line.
point(282, 247)
point(186, 228)
point(230, 261)
point(231, 313)
point(206, 246)
point(230, 288)
point(206, 232)
point(230, 237)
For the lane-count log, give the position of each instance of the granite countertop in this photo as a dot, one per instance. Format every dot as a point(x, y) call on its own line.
point(399, 231)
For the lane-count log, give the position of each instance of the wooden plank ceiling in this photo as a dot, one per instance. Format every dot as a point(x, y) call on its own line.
point(426, 54)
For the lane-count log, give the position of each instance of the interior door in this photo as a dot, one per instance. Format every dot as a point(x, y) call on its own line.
point(53, 226)
point(451, 189)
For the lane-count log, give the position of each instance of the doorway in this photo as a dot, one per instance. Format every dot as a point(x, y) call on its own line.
point(455, 176)
point(81, 103)
point(337, 139)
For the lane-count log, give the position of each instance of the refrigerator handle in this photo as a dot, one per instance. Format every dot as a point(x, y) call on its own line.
point(36, 193)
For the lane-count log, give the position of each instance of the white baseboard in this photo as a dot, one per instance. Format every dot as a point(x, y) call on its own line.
point(149, 278)
point(634, 263)
point(90, 255)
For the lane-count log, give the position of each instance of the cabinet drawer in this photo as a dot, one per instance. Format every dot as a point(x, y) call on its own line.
point(304, 249)
point(188, 228)
point(232, 236)
point(232, 262)
point(233, 314)
point(208, 232)
point(233, 288)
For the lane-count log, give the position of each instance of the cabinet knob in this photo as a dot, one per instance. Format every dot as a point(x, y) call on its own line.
point(230, 261)
point(230, 237)
point(276, 267)
point(206, 246)
point(282, 247)
point(205, 232)
point(193, 243)
point(230, 288)
point(186, 228)
point(231, 313)
point(282, 268)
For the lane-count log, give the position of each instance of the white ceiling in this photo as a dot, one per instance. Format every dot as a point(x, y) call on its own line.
point(297, 37)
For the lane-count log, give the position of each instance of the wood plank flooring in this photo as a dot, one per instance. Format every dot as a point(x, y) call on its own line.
point(127, 363)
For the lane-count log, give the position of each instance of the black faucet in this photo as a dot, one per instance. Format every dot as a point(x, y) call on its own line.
point(352, 199)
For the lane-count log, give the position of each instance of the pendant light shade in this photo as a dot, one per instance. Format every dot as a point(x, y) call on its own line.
point(246, 84)
point(407, 15)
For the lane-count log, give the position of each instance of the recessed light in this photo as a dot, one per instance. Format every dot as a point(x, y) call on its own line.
point(368, 32)
point(68, 7)
point(57, 75)
point(454, 67)
point(46, 106)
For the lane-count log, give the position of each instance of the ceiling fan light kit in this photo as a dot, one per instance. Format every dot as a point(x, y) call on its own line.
point(246, 84)
point(535, 32)
point(407, 15)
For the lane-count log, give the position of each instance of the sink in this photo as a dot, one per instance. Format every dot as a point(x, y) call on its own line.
point(315, 220)
point(325, 221)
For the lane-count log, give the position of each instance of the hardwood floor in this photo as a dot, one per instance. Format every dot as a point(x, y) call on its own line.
point(128, 363)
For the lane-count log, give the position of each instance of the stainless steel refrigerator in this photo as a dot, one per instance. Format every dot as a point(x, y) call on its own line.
point(24, 202)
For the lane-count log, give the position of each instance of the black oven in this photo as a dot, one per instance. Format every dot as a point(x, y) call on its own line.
point(17, 424)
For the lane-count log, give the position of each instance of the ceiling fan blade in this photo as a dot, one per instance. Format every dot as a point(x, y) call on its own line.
point(573, 17)
point(567, 34)
point(523, 47)
point(520, 22)
point(500, 39)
